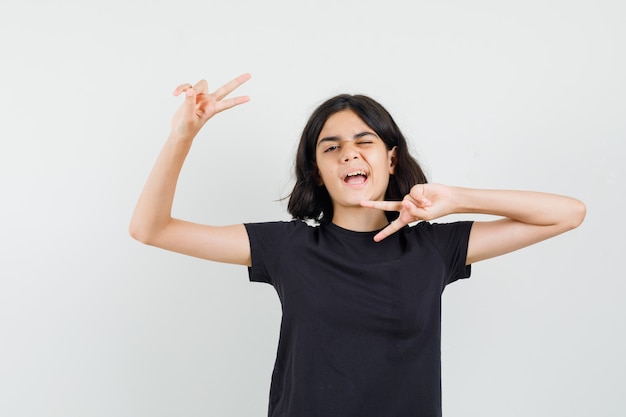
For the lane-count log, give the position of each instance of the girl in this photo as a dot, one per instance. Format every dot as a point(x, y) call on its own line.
point(361, 287)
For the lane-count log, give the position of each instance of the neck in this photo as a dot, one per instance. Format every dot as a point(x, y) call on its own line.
point(359, 219)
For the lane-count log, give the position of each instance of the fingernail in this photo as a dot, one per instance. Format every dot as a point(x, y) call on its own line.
point(190, 92)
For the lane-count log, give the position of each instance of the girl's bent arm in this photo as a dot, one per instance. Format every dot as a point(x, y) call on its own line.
point(151, 222)
point(528, 217)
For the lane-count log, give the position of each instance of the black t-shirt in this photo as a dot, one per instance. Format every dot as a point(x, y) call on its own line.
point(361, 326)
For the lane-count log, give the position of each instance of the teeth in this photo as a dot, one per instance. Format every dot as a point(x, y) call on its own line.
point(352, 174)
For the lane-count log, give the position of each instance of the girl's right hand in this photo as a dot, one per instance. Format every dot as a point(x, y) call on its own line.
point(200, 105)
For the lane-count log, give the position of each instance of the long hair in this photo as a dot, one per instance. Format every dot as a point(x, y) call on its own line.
point(309, 200)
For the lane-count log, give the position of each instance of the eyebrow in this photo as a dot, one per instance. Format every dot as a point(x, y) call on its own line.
point(338, 139)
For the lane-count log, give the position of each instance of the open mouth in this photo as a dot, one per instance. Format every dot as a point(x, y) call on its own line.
point(355, 177)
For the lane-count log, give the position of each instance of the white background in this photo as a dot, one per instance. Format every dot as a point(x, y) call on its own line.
point(492, 94)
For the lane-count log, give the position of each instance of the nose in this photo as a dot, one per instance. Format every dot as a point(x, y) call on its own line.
point(349, 153)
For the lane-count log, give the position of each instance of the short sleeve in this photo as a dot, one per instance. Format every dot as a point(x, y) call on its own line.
point(451, 240)
point(266, 243)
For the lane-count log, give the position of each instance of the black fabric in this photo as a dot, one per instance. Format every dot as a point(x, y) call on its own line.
point(361, 327)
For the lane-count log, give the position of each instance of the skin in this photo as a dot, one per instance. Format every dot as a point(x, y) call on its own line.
point(152, 222)
point(345, 144)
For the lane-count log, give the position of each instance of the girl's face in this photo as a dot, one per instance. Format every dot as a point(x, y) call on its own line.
point(353, 162)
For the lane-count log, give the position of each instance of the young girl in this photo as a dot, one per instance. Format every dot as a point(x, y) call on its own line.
point(361, 287)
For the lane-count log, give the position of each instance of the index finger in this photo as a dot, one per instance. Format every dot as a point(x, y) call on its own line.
point(392, 228)
point(228, 88)
point(383, 205)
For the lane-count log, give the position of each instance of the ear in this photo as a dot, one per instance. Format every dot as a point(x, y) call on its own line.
point(393, 159)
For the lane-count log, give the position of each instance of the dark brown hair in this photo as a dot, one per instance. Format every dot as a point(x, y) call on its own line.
point(309, 200)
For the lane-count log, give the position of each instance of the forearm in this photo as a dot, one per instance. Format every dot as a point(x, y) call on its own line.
point(536, 208)
point(154, 206)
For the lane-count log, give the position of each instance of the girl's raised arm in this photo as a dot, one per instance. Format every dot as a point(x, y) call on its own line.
point(152, 222)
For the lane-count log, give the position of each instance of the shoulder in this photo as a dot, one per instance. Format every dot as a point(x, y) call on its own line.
point(450, 241)
point(426, 227)
point(278, 229)
point(294, 224)
point(271, 243)
point(438, 233)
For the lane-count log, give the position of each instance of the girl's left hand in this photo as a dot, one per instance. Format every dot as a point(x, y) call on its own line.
point(424, 202)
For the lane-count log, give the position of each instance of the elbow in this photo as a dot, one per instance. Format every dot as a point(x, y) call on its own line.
point(135, 234)
point(147, 232)
point(139, 234)
point(578, 213)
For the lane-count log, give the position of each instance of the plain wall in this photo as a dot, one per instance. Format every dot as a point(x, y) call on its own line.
point(491, 94)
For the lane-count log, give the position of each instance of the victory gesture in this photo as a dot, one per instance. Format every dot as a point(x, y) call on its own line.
point(424, 202)
point(200, 105)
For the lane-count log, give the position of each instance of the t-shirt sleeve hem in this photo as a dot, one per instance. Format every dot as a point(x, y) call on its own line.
point(463, 271)
point(256, 272)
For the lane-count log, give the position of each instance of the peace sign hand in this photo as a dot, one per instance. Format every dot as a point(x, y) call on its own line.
point(424, 202)
point(200, 105)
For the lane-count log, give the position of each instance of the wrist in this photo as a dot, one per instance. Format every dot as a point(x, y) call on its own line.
point(180, 138)
point(461, 200)
point(455, 198)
